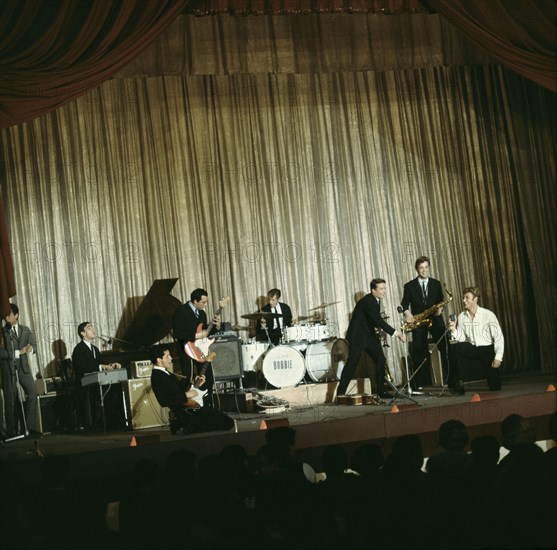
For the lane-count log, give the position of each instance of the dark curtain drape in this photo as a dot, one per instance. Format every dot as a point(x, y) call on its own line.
point(7, 279)
point(52, 52)
point(518, 34)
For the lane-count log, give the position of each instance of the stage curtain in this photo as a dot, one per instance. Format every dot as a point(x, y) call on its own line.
point(7, 275)
point(53, 52)
point(311, 182)
point(519, 34)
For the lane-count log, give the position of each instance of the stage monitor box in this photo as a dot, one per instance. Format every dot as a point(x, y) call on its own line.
point(142, 408)
point(227, 364)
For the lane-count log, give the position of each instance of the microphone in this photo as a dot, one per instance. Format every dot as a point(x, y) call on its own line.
point(399, 309)
point(452, 317)
point(105, 339)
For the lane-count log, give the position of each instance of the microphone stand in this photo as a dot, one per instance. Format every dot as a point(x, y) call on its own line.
point(429, 353)
point(401, 392)
point(18, 389)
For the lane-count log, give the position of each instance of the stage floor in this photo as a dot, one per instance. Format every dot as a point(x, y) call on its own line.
point(317, 425)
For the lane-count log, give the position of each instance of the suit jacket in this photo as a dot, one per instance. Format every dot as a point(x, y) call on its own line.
point(365, 318)
point(169, 390)
point(413, 296)
point(12, 343)
point(83, 360)
point(185, 323)
point(286, 320)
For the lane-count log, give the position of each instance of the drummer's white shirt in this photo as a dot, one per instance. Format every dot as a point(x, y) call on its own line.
point(277, 309)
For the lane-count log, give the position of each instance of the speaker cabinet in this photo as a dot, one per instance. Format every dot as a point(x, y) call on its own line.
point(54, 413)
point(227, 364)
point(142, 408)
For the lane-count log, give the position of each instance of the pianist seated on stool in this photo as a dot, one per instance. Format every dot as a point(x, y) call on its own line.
point(86, 357)
point(178, 394)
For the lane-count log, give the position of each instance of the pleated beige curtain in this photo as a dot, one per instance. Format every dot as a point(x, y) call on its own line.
point(311, 182)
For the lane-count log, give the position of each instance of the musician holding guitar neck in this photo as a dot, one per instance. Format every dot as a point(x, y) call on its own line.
point(180, 396)
point(191, 330)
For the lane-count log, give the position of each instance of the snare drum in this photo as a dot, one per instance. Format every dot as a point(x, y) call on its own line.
point(317, 332)
point(252, 355)
point(325, 360)
point(283, 366)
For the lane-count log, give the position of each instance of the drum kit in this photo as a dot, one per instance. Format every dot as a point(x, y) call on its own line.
point(306, 348)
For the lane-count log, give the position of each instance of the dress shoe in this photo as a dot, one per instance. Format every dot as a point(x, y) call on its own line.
point(175, 427)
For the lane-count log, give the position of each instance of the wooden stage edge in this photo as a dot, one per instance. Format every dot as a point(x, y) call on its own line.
point(317, 424)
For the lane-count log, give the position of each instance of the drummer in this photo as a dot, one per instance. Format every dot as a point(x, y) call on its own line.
point(275, 325)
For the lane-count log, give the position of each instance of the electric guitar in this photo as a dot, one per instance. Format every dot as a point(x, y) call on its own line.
point(198, 350)
point(196, 402)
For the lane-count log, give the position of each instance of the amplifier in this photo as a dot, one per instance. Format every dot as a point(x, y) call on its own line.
point(142, 408)
point(49, 385)
point(141, 369)
point(55, 413)
point(227, 364)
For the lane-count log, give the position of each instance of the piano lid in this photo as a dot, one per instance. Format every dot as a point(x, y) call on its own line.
point(152, 320)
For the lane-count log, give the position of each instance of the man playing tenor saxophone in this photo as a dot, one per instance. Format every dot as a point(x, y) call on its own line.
point(420, 295)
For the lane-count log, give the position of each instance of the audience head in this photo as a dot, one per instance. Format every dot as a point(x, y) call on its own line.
point(408, 449)
point(334, 460)
point(283, 435)
point(553, 426)
point(367, 459)
point(516, 430)
point(485, 451)
point(453, 435)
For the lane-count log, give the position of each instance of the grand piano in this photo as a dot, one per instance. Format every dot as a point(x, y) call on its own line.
point(150, 323)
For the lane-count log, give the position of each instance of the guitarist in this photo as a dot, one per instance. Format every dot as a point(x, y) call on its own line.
point(177, 394)
point(190, 324)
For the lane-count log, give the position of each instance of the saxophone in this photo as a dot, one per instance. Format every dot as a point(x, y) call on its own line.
point(423, 319)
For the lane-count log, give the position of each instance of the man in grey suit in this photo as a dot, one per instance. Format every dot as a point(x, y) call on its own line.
point(20, 343)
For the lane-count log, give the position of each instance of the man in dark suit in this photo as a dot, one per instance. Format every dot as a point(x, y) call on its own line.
point(190, 325)
point(19, 344)
point(276, 325)
point(420, 294)
point(363, 337)
point(178, 394)
point(86, 357)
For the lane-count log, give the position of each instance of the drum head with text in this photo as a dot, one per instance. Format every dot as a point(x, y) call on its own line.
point(283, 366)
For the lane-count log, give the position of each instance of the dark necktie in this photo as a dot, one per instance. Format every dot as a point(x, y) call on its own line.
point(424, 292)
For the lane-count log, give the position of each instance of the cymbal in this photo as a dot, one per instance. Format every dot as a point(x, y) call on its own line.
point(237, 327)
point(325, 305)
point(261, 315)
point(314, 317)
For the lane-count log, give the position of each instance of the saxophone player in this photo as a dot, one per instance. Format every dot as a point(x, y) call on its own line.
point(420, 294)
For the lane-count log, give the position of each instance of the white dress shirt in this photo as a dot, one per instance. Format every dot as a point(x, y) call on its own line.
point(483, 330)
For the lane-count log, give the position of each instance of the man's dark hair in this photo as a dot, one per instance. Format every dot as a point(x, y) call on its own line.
point(81, 328)
point(274, 293)
point(375, 282)
point(197, 294)
point(155, 353)
point(421, 260)
point(15, 309)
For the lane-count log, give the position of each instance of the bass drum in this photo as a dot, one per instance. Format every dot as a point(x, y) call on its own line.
point(325, 360)
point(283, 366)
